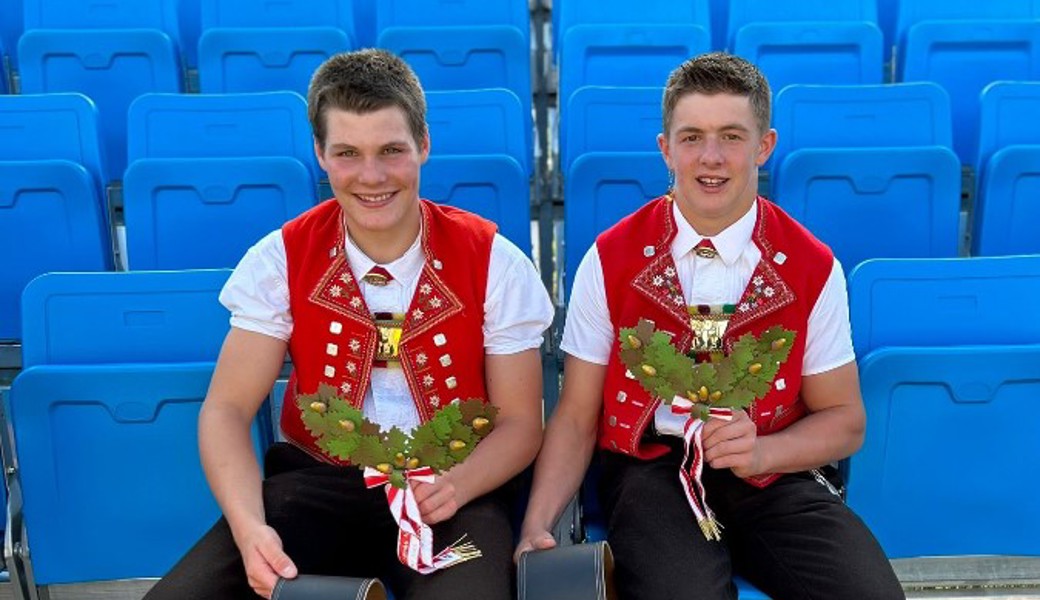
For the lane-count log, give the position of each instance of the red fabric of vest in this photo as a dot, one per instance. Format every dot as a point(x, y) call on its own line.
point(642, 282)
point(334, 334)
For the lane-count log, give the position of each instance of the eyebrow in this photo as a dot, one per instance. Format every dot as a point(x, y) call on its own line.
point(348, 145)
point(727, 127)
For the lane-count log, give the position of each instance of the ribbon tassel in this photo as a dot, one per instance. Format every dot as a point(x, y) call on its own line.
point(415, 538)
point(692, 466)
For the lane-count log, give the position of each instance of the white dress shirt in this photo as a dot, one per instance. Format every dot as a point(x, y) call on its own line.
point(589, 334)
point(517, 309)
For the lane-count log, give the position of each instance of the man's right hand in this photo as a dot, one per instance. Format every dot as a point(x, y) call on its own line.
point(535, 540)
point(266, 561)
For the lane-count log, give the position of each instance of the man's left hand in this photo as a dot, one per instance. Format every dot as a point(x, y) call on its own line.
point(438, 501)
point(733, 445)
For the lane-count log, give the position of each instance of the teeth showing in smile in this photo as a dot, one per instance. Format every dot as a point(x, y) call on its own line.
point(373, 199)
point(711, 181)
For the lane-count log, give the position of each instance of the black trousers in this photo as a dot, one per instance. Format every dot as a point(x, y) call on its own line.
point(330, 524)
point(794, 540)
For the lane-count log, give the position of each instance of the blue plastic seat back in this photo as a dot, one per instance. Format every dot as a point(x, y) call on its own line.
point(912, 12)
point(846, 196)
point(189, 17)
point(221, 125)
point(112, 67)
point(633, 115)
point(571, 13)
point(1008, 117)
point(813, 52)
point(365, 22)
point(626, 55)
point(52, 126)
point(205, 213)
point(51, 219)
point(11, 25)
point(925, 480)
point(109, 467)
point(162, 15)
point(808, 116)
point(601, 188)
point(233, 59)
point(492, 186)
point(488, 121)
point(144, 316)
point(1007, 208)
point(966, 56)
point(453, 13)
point(745, 12)
point(942, 302)
point(465, 58)
point(338, 14)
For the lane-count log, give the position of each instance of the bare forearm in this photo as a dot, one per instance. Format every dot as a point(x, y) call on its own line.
point(819, 438)
point(560, 469)
point(231, 467)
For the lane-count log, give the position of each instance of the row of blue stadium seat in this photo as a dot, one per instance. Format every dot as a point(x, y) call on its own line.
point(945, 381)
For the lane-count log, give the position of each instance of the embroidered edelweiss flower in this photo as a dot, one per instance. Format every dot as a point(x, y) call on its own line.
point(345, 388)
point(435, 400)
point(346, 278)
point(678, 300)
point(354, 345)
point(669, 272)
point(658, 281)
point(435, 302)
point(769, 292)
point(417, 314)
point(355, 302)
point(425, 289)
point(351, 368)
point(428, 380)
point(758, 280)
point(743, 307)
point(421, 358)
point(335, 291)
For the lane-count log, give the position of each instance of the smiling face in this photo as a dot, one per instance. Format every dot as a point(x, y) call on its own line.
point(714, 146)
point(373, 162)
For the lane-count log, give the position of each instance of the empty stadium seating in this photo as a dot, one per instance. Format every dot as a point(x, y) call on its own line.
point(221, 125)
point(590, 13)
point(610, 119)
point(205, 213)
point(256, 46)
point(485, 121)
point(1006, 170)
point(945, 380)
point(104, 420)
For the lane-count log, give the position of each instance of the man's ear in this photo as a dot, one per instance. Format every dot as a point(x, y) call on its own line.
point(666, 151)
point(765, 147)
point(320, 153)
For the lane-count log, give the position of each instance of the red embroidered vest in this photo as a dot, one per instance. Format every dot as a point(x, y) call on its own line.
point(641, 282)
point(334, 334)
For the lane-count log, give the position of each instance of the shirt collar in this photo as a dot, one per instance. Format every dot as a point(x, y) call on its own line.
point(730, 242)
point(405, 268)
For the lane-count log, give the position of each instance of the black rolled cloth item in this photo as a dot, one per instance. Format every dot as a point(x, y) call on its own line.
point(323, 587)
point(578, 572)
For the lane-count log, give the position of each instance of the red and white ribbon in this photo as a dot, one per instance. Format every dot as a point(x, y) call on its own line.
point(693, 463)
point(415, 538)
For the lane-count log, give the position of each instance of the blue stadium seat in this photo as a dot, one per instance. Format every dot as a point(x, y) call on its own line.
point(1007, 208)
point(221, 125)
point(600, 13)
point(11, 25)
point(113, 318)
point(51, 219)
point(489, 121)
point(161, 15)
point(747, 12)
point(365, 23)
point(465, 58)
point(105, 417)
point(942, 302)
point(910, 13)
point(205, 213)
point(875, 202)
point(256, 46)
point(1008, 117)
point(814, 53)
point(601, 188)
point(626, 55)
point(492, 186)
point(52, 126)
point(4, 69)
point(964, 57)
point(453, 13)
point(926, 480)
point(808, 116)
point(189, 17)
point(112, 67)
point(634, 115)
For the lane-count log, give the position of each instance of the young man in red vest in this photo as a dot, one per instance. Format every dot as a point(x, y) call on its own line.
point(712, 256)
point(401, 305)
